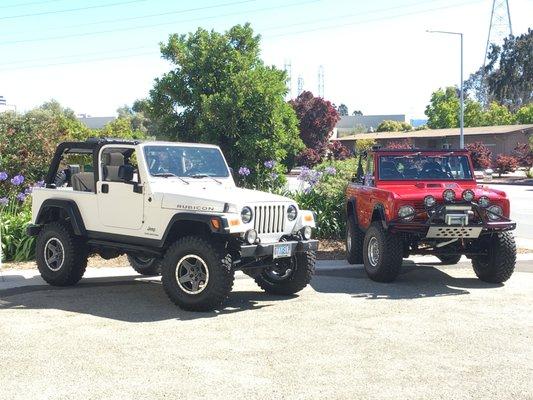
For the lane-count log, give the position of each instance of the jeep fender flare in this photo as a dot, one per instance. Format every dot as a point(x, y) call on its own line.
point(71, 210)
point(204, 219)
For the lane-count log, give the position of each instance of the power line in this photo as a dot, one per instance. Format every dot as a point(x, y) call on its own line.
point(71, 9)
point(60, 37)
point(115, 20)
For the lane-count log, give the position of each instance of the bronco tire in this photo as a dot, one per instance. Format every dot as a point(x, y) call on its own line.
point(290, 276)
point(145, 265)
point(449, 259)
point(498, 265)
point(197, 274)
point(354, 242)
point(382, 254)
point(61, 256)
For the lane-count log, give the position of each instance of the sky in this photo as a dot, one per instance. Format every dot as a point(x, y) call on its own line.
point(95, 56)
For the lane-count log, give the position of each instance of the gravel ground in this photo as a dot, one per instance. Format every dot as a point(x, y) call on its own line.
point(437, 333)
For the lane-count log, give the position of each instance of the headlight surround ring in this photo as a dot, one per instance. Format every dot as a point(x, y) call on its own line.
point(448, 195)
point(484, 201)
point(292, 212)
point(407, 213)
point(495, 212)
point(246, 215)
point(429, 201)
point(468, 195)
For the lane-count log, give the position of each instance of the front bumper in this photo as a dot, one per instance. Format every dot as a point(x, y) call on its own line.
point(267, 249)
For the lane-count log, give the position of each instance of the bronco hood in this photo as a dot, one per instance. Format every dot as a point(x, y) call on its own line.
point(418, 190)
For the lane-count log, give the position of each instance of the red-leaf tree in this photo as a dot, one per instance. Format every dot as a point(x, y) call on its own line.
point(481, 155)
point(524, 155)
point(400, 144)
point(309, 158)
point(317, 119)
point(506, 163)
point(338, 151)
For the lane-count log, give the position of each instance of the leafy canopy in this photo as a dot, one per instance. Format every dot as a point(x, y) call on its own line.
point(219, 91)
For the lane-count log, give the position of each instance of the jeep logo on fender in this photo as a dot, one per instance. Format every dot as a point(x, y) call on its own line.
point(195, 208)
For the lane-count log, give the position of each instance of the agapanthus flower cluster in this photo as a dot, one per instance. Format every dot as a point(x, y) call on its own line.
point(17, 180)
point(269, 164)
point(244, 171)
point(311, 177)
point(330, 170)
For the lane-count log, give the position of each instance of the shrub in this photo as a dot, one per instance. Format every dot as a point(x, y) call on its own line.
point(337, 151)
point(525, 114)
point(309, 158)
point(364, 144)
point(400, 144)
point(506, 163)
point(394, 126)
point(524, 155)
point(481, 155)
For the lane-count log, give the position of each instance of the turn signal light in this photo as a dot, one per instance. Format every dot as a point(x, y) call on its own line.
point(234, 222)
point(308, 218)
point(215, 222)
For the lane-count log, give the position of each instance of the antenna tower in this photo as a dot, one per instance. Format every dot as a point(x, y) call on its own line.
point(300, 85)
point(321, 81)
point(500, 25)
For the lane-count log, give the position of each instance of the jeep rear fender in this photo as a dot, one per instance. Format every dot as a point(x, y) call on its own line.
point(53, 209)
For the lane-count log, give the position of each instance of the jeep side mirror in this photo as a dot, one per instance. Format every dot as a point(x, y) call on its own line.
point(125, 172)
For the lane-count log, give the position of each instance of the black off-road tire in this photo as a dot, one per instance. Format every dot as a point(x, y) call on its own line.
point(303, 268)
point(389, 260)
point(498, 265)
point(145, 266)
point(219, 264)
point(449, 259)
point(354, 242)
point(74, 253)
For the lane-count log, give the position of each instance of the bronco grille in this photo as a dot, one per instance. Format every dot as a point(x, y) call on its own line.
point(269, 219)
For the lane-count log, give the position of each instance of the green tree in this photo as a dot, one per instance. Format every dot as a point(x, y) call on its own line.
point(474, 115)
point(394, 126)
point(525, 115)
point(498, 115)
point(343, 110)
point(443, 109)
point(219, 91)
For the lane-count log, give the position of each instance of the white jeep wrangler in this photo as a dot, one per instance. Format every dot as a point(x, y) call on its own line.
point(171, 207)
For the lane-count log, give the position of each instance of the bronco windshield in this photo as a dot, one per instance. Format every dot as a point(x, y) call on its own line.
point(185, 161)
point(424, 167)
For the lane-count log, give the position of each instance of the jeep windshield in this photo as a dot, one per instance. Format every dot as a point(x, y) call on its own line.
point(185, 161)
point(421, 166)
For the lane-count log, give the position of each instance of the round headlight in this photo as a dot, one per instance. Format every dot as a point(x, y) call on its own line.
point(468, 195)
point(429, 201)
point(406, 212)
point(495, 212)
point(307, 232)
point(484, 201)
point(292, 212)
point(448, 195)
point(250, 236)
point(246, 214)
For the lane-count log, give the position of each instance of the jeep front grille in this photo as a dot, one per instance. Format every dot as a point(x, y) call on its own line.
point(269, 219)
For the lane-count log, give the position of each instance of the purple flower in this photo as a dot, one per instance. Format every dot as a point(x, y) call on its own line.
point(39, 184)
point(4, 201)
point(17, 180)
point(21, 197)
point(330, 171)
point(273, 176)
point(3, 176)
point(270, 164)
point(244, 171)
point(28, 191)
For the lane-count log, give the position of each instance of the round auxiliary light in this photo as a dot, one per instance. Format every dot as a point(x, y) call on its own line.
point(292, 212)
point(407, 213)
point(250, 236)
point(484, 201)
point(468, 195)
point(307, 232)
point(246, 214)
point(429, 201)
point(448, 195)
point(495, 212)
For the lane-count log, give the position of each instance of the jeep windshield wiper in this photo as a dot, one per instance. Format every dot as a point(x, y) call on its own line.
point(170, 175)
point(199, 176)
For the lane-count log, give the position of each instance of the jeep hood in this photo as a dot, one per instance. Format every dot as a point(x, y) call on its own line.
point(209, 198)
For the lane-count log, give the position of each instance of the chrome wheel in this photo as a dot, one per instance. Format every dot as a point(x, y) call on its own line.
point(373, 251)
point(54, 254)
point(192, 274)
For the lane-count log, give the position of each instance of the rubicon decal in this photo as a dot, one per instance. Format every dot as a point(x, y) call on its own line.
point(195, 208)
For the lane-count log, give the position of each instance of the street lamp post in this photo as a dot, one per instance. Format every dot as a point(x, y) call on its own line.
point(461, 111)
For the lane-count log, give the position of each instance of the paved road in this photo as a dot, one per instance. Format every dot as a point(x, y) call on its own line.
point(436, 333)
point(521, 198)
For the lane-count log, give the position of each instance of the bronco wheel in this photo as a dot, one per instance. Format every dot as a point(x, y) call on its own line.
point(382, 254)
point(449, 259)
point(196, 274)
point(498, 265)
point(145, 265)
point(61, 256)
point(289, 275)
point(354, 242)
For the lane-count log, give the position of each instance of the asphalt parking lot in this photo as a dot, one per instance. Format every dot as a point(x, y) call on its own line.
point(437, 333)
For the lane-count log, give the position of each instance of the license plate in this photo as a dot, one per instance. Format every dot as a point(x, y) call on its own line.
point(281, 250)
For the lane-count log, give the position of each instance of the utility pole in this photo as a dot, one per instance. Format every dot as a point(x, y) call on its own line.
point(462, 108)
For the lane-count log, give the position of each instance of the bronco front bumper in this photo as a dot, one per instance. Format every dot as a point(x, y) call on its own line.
point(267, 249)
point(435, 228)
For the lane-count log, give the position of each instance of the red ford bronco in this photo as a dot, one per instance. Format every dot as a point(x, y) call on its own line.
point(426, 202)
